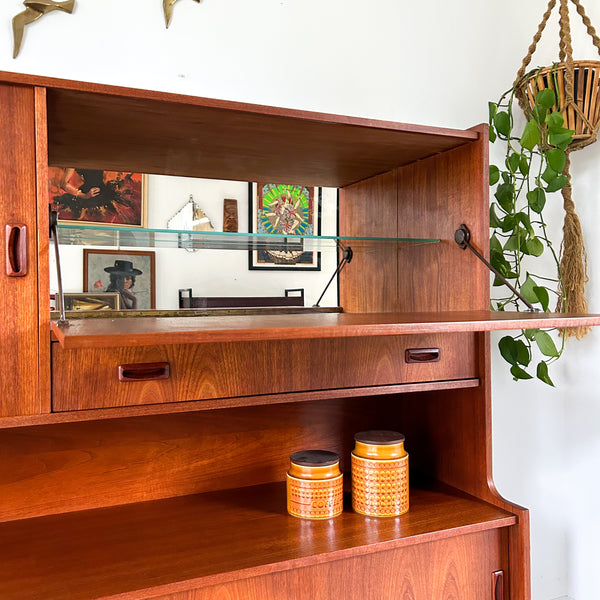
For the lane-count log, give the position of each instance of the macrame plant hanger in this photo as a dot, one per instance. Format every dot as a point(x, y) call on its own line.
point(577, 88)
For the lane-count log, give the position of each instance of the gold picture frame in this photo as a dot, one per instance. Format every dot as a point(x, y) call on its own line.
point(91, 301)
point(97, 197)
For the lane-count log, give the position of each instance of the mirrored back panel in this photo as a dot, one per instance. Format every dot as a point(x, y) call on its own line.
point(168, 243)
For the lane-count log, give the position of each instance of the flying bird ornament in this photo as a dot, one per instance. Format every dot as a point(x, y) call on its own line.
point(34, 9)
point(168, 10)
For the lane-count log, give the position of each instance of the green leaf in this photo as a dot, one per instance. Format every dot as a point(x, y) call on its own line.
point(549, 174)
point(524, 165)
point(519, 373)
point(555, 121)
point(560, 138)
point(557, 183)
point(534, 247)
point(494, 219)
point(514, 241)
point(509, 350)
point(539, 114)
point(530, 334)
point(512, 162)
point(492, 133)
point(505, 193)
point(536, 199)
point(499, 263)
point(556, 159)
point(505, 176)
point(508, 223)
point(523, 355)
point(545, 343)
point(531, 135)
point(528, 292)
point(546, 98)
point(524, 218)
point(542, 294)
point(495, 245)
point(492, 110)
point(502, 123)
point(542, 373)
point(494, 174)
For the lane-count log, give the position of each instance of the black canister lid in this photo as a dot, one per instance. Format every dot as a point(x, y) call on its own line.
point(379, 437)
point(315, 458)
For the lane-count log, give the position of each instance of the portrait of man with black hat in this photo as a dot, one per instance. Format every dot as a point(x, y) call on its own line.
point(122, 280)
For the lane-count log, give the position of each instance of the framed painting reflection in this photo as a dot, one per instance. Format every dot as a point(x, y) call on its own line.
point(97, 197)
point(287, 212)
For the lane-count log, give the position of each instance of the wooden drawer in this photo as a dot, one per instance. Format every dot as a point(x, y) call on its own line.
point(87, 378)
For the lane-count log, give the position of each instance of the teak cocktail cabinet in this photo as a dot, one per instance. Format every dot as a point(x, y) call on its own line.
point(172, 488)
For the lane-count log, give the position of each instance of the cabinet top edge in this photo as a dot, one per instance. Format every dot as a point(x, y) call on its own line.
point(57, 85)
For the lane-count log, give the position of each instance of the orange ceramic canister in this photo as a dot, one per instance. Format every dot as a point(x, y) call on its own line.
point(379, 474)
point(314, 485)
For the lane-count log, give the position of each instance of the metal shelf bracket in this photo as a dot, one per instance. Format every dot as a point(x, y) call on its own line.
point(462, 236)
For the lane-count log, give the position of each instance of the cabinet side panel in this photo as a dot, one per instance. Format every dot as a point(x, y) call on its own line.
point(19, 383)
point(461, 567)
point(436, 196)
point(369, 282)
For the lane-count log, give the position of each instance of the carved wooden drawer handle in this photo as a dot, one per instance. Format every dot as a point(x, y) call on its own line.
point(16, 250)
point(498, 585)
point(144, 371)
point(422, 355)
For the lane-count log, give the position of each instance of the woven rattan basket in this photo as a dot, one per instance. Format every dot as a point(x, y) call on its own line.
point(582, 114)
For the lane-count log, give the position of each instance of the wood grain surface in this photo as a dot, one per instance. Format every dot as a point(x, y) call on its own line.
point(428, 571)
point(223, 140)
point(370, 282)
point(19, 384)
point(43, 248)
point(98, 333)
point(439, 194)
point(223, 536)
point(76, 466)
point(142, 410)
point(87, 378)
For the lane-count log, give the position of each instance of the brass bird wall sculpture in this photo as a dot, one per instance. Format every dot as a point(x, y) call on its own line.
point(168, 10)
point(34, 9)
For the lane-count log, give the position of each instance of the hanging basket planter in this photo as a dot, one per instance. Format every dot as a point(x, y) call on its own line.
point(581, 113)
point(576, 85)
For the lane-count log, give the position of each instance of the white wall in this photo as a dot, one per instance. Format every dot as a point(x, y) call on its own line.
point(435, 63)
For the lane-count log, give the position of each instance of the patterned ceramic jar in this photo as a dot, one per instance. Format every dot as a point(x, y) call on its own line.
point(379, 474)
point(314, 485)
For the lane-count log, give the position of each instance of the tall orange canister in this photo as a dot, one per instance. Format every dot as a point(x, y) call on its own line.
point(379, 474)
point(314, 484)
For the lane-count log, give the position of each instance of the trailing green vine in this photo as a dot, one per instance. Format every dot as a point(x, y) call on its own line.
point(533, 167)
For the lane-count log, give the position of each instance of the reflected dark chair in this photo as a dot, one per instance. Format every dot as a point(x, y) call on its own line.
point(291, 297)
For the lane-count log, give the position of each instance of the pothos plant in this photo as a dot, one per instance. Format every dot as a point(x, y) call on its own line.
point(534, 161)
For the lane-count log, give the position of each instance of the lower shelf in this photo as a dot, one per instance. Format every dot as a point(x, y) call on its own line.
point(152, 548)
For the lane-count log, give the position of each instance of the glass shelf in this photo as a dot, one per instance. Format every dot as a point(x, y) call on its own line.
point(195, 240)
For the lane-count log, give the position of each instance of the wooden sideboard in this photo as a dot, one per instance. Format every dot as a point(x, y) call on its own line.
point(172, 488)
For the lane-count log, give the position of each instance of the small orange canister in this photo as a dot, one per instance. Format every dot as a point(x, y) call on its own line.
point(314, 485)
point(379, 474)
